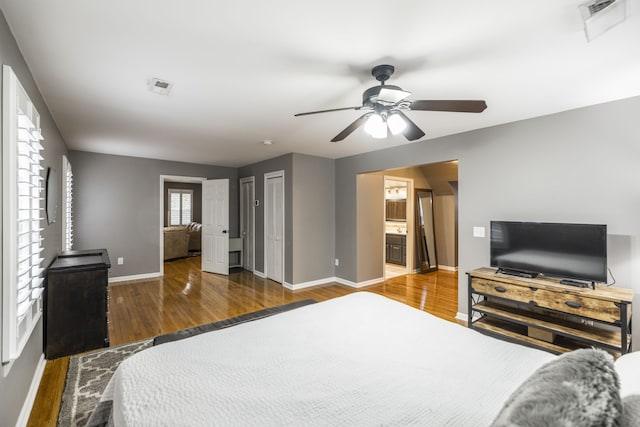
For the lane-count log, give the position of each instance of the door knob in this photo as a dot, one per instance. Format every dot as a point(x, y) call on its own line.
point(224, 231)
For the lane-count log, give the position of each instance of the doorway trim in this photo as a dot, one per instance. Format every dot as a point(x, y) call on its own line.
point(163, 179)
point(267, 176)
point(246, 180)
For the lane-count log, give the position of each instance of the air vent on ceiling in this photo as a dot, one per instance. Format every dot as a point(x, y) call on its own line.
point(601, 15)
point(599, 5)
point(159, 86)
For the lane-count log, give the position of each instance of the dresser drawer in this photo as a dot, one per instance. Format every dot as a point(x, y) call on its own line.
point(578, 305)
point(503, 290)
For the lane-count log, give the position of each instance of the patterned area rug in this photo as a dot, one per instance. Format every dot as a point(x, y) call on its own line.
point(87, 378)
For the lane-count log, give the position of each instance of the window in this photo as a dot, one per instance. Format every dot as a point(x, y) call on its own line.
point(22, 207)
point(180, 206)
point(67, 193)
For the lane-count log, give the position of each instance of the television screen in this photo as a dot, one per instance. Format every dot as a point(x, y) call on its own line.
point(573, 251)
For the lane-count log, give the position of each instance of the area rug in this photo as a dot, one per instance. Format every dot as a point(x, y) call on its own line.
point(87, 377)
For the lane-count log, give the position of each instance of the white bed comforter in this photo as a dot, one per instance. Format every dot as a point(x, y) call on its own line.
point(358, 360)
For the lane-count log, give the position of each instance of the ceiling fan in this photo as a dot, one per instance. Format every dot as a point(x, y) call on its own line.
point(384, 106)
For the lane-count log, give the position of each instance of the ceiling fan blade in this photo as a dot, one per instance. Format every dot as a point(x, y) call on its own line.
point(349, 129)
point(461, 106)
point(328, 111)
point(412, 131)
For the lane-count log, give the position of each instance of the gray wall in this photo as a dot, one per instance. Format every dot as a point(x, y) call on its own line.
point(258, 170)
point(14, 387)
point(575, 166)
point(309, 209)
point(313, 218)
point(116, 206)
point(370, 211)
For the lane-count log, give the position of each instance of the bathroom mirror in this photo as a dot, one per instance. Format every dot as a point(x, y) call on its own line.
point(425, 230)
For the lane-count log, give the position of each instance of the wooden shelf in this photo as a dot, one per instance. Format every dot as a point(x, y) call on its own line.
point(536, 311)
point(578, 331)
point(501, 328)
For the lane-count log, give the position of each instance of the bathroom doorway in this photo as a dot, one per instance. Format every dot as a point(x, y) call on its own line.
point(398, 226)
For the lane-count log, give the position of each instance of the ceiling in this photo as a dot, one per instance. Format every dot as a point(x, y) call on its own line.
point(242, 69)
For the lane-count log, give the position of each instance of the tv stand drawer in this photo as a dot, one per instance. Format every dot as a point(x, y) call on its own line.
point(503, 290)
point(592, 308)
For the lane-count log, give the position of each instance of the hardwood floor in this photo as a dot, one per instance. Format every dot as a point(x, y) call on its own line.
point(185, 297)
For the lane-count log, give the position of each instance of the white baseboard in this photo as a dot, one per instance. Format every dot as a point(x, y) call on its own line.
point(23, 418)
point(462, 318)
point(330, 280)
point(447, 267)
point(260, 274)
point(359, 284)
point(134, 277)
point(307, 284)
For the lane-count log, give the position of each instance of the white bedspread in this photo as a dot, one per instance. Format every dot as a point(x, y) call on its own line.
point(358, 360)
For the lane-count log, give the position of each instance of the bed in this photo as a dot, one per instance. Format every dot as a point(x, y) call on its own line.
point(361, 359)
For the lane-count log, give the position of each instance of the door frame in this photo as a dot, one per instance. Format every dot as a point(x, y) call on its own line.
point(163, 179)
point(252, 180)
point(267, 176)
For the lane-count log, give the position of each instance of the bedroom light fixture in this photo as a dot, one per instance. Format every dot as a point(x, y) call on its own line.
point(378, 125)
point(601, 15)
point(396, 123)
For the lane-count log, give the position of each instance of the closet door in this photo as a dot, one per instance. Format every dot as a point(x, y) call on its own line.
point(247, 222)
point(274, 226)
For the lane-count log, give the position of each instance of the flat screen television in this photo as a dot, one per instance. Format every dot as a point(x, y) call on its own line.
point(572, 251)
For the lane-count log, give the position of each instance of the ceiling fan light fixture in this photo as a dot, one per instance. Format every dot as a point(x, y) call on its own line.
point(376, 126)
point(396, 123)
point(384, 106)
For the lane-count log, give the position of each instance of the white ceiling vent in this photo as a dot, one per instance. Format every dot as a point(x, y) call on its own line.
point(601, 15)
point(159, 86)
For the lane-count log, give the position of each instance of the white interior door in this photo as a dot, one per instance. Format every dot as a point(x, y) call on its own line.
point(215, 226)
point(274, 226)
point(247, 222)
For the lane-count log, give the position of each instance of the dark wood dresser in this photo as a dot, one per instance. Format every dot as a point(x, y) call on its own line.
point(76, 303)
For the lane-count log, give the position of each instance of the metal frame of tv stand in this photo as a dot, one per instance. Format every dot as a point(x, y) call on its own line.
point(624, 323)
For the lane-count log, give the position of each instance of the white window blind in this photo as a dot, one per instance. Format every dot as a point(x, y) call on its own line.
point(22, 207)
point(67, 197)
point(180, 206)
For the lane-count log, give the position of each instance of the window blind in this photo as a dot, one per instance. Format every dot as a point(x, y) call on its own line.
point(180, 206)
point(22, 207)
point(67, 197)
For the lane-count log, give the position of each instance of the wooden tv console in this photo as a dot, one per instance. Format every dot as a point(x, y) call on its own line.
point(545, 314)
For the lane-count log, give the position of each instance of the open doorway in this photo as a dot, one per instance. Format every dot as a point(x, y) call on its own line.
point(398, 224)
point(180, 217)
point(441, 179)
